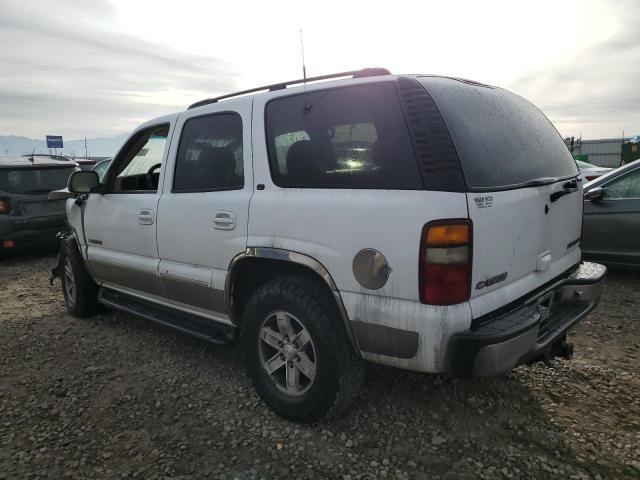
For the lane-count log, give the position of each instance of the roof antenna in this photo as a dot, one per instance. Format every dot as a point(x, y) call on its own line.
point(32, 154)
point(307, 108)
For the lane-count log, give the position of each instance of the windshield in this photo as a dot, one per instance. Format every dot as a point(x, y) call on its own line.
point(34, 180)
point(503, 140)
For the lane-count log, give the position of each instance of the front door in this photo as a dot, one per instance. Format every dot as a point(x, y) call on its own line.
point(611, 226)
point(203, 212)
point(120, 225)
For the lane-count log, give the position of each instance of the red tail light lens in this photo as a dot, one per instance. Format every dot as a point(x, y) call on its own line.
point(5, 207)
point(445, 262)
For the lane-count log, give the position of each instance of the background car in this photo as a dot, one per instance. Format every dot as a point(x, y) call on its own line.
point(83, 163)
point(611, 227)
point(591, 172)
point(27, 217)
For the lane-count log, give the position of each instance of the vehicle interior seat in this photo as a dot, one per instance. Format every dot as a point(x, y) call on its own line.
point(307, 163)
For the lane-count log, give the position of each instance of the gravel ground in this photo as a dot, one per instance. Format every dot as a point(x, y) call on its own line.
point(117, 397)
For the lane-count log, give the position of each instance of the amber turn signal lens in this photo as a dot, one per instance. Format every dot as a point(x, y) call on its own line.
point(454, 234)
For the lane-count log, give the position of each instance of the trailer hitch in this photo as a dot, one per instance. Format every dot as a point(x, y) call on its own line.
point(560, 348)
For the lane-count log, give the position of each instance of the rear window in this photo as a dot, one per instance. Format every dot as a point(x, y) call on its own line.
point(502, 139)
point(34, 180)
point(350, 137)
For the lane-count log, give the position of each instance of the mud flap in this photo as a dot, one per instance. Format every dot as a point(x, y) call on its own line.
point(55, 271)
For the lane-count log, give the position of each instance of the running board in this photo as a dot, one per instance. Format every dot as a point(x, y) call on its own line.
point(203, 328)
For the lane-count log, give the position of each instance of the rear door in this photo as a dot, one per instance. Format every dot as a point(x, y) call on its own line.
point(203, 213)
point(612, 225)
point(524, 197)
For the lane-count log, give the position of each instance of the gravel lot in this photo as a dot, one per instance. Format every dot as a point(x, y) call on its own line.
point(117, 397)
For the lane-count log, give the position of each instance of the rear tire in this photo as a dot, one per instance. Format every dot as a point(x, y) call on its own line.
point(297, 353)
point(79, 289)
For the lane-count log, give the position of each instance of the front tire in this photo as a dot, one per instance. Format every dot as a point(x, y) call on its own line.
point(79, 289)
point(297, 353)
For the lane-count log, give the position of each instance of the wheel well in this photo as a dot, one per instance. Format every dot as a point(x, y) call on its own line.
point(251, 273)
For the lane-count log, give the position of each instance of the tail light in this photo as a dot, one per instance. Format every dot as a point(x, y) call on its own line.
point(445, 262)
point(591, 177)
point(5, 206)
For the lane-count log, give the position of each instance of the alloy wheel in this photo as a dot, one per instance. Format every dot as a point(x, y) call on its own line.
point(287, 353)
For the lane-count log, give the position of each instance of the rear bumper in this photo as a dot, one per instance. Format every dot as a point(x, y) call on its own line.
point(503, 341)
point(30, 232)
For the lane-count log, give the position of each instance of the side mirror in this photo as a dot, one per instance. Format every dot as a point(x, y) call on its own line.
point(83, 181)
point(595, 194)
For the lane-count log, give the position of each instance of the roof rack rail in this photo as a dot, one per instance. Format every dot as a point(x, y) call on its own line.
point(365, 72)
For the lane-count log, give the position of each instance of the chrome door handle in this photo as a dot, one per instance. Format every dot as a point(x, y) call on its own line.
point(145, 216)
point(224, 220)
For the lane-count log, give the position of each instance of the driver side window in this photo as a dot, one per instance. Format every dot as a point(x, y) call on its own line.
point(626, 187)
point(139, 163)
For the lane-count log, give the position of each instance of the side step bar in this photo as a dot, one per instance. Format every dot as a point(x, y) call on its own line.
point(185, 322)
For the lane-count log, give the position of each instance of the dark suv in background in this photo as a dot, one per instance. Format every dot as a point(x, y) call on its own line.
point(27, 217)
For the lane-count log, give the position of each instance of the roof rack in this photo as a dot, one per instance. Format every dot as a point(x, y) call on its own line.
point(365, 72)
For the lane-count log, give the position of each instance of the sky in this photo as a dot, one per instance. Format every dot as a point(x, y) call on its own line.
point(99, 68)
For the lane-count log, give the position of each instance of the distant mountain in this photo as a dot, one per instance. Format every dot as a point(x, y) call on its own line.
point(96, 147)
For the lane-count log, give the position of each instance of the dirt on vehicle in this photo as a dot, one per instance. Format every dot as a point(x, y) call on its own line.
point(118, 397)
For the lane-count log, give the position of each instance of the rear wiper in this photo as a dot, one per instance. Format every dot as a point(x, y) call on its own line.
point(569, 187)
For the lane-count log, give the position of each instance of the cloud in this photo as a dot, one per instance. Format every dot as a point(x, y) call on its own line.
point(69, 70)
point(595, 91)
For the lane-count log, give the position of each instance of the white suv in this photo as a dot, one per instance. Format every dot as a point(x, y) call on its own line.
point(423, 222)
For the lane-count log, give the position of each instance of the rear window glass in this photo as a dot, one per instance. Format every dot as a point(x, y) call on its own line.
point(351, 137)
point(502, 139)
point(36, 180)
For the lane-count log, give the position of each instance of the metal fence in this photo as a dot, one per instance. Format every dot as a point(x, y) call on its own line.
point(606, 152)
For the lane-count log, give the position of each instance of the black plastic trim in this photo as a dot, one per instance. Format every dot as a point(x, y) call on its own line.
point(193, 325)
point(433, 145)
point(388, 341)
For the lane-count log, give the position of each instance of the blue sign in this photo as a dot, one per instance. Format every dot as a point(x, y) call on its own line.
point(54, 141)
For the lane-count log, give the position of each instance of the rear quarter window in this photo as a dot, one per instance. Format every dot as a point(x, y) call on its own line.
point(502, 140)
point(348, 137)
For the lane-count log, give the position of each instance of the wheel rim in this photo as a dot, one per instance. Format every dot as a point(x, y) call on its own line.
point(287, 353)
point(69, 281)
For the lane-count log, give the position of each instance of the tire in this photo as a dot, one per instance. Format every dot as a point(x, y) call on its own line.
point(298, 305)
point(79, 290)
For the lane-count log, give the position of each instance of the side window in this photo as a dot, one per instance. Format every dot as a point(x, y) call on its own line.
point(210, 154)
point(139, 164)
point(626, 187)
point(350, 137)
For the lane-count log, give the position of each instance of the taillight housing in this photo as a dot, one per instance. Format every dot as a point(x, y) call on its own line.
point(5, 206)
point(445, 262)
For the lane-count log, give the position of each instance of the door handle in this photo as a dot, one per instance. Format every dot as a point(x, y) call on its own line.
point(224, 220)
point(145, 216)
